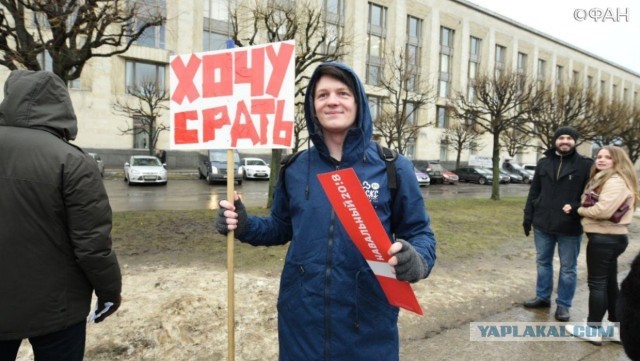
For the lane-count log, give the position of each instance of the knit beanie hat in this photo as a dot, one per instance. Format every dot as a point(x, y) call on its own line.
point(566, 130)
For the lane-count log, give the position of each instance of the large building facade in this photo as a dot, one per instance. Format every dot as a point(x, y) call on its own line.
point(450, 42)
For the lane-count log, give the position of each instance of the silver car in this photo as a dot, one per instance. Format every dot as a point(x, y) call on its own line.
point(144, 169)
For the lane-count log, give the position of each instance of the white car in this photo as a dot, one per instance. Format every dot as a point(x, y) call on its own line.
point(255, 168)
point(144, 169)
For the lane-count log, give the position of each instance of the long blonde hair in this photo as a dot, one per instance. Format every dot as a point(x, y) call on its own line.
point(622, 166)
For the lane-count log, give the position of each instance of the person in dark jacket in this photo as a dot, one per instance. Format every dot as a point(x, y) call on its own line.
point(330, 305)
point(628, 311)
point(551, 209)
point(55, 243)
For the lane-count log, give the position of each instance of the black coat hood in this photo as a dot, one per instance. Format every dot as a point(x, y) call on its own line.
point(40, 100)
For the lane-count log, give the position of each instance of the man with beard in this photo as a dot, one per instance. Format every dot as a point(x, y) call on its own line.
point(551, 208)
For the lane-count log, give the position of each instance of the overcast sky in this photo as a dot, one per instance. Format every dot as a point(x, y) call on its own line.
point(616, 41)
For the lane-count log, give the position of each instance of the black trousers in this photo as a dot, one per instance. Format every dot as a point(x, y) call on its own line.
point(602, 266)
point(64, 345)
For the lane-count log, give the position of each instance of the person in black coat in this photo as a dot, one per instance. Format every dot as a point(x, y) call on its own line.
point(628, 310)
point(553, 199)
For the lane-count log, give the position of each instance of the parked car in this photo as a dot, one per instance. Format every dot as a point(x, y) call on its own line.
point(475, 174)
point(448, 177)
point(531, 167)
point(212, 166)
point(99, 162)
point(144, 169)
point(513, 177)
point(422, 177)
point(433, 168)
point(255, 168)
point(515, 168)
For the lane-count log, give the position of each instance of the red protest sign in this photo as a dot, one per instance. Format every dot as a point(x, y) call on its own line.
point(234, 98)
point(359, 219)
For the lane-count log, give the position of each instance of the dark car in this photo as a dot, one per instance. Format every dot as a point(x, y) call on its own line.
point(474, 174)
point(433, 168)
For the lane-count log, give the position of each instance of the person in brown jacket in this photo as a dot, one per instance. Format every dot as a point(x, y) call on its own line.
point(613, 178)
point(55, 224)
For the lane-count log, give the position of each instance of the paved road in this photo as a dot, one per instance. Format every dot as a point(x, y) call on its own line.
point(182, 194)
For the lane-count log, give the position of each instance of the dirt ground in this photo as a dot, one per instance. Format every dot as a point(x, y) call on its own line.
point(179, 312)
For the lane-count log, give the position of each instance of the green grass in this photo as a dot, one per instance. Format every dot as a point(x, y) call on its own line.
point(464, 228)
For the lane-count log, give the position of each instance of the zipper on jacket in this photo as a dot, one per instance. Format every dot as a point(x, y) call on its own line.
point(559, 168)
point(327, 290)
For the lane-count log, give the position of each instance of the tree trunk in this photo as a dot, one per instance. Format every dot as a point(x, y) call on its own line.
point(495, 187)
point(276, 157)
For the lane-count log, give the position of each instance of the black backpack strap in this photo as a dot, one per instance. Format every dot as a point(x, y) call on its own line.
point(284, 163)
point(389, 156)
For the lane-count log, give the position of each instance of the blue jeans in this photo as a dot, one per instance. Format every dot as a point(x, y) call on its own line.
point(63, 345)
point(568, 250)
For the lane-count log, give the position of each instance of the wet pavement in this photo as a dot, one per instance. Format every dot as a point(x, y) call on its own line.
point(185, 191)
point(455, 344)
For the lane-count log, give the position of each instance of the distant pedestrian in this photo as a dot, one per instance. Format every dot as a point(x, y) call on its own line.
point(162, 155)
point(614, 180)
point(55, 224)
point(551, 207)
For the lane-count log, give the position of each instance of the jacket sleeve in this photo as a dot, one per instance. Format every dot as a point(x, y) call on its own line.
point(273, 230)
point(534, 193)
point(88, 216)
point(613, 194)
point(409, 215)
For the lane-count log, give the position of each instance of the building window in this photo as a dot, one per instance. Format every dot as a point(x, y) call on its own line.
point(376, 40)
point(446, 60)
point(474, 65)
point(614, 92)
point(411, 113)
point(153, 37)
point(522, 63)
point(589, 82)
point(559, 70)
point(216, 25)
point(45, 61)
point(501, 56)
point(138, 73)
point(140, 135)
point(442, 117)
point(603, 88)
point(413, 51)
point(575, 77)
point(334, 11)
point(375, 106)
point(542, 65)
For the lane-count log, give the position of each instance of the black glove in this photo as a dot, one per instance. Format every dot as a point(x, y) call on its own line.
point(527, 228)
point(411, 266)
point(101, 310)
point(221, 222)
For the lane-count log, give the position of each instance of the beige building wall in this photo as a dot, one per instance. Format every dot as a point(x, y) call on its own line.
point(103, 79)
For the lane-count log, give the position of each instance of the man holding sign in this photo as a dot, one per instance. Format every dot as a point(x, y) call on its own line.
point(331, 305)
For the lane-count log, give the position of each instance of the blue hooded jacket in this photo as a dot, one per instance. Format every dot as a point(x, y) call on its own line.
point(330, 305)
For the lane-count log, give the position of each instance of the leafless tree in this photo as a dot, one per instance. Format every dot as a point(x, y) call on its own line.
point(630, 134)
point(515, 141)
point(398, 122)
point(70, 32)
point(316, 42)
point(461, 137)
point(563, 105)
point(611, 116)
point(144, 110)
point(500, 103)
